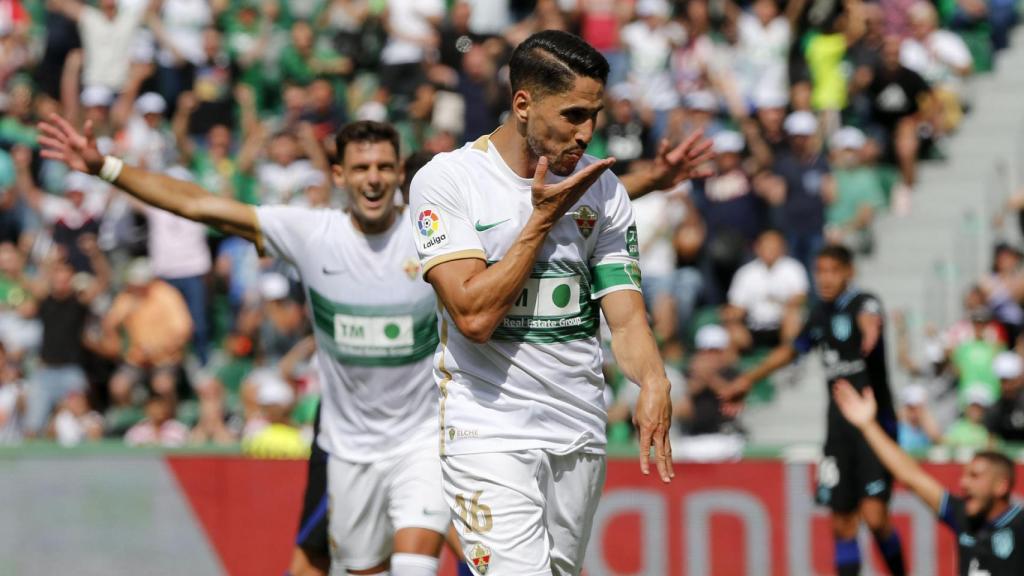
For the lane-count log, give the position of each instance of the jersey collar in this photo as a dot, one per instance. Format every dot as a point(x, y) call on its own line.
point(846, 297)
point(1007, 516)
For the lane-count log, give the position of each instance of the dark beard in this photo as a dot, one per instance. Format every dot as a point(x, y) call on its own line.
point(538, 150)
point(979, 520)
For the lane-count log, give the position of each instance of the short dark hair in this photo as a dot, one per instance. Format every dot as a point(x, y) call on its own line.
point(838, 253)
point(364, 131)
point(412, 165)
point(1002, 462)
point(549, 62)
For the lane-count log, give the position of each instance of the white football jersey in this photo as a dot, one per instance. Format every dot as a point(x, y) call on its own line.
point(375, 324)
point(538, 383)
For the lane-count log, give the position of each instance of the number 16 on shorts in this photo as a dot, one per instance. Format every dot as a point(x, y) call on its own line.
point(476, 516)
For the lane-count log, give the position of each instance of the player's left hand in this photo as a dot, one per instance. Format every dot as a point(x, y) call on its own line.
point(686, 161)
point(859, 409)
point(652, 418)
point(60, 141)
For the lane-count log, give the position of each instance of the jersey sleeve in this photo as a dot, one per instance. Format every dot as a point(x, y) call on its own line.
point(869, 304)
point(284, 231)
point(952, 512)
point(440, 218)
point(614, 264)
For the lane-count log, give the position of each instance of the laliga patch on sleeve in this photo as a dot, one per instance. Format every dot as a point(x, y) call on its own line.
point(431, 229)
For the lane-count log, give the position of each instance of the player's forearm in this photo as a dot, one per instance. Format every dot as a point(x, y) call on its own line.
point(190, 201)
point(901, 465)
point(160, 191)
point(636, 353)
point(486, 297)
point(778, 358)
point(638, 183)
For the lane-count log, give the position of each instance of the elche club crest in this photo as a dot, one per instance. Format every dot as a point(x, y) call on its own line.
point(411, 267)
point(841, 327)
point(480, 557)
point(1002, 543)
point(585, 218)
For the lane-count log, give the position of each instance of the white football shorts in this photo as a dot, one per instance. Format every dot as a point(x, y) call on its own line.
point(524, 513)
point(369, 502)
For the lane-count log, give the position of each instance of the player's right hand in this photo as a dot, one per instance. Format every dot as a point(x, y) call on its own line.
point(859, 409)
point(652, 418)
point(553, 200)
point(60, 141)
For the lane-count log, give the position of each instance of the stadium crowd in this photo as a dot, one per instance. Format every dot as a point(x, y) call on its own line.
point(122, 321)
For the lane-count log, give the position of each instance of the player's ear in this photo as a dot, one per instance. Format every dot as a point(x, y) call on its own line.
point(338, 175)
point(1003, 488)
point(521, 101)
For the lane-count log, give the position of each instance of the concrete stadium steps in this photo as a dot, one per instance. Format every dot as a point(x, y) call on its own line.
point(797, 414)
point(925, 260)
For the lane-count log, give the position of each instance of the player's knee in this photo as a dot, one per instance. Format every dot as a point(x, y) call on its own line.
point(844, 525)
point(876, 517)
point(413, 565)
point(878, 524)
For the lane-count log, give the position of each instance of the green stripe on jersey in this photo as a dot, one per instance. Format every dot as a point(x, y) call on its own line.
point(384, 335)
point(616, 274)
point(554, 306)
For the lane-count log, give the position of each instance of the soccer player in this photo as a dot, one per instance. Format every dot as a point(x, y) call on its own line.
point(525, 240)
point(846, 324)
point(987, 525)
point(312, 553)
point(375, 327)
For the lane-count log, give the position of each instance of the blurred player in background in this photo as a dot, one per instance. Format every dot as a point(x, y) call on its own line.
point(988, 526)
point(846, 325)
point(521, 261)
point(375, 328)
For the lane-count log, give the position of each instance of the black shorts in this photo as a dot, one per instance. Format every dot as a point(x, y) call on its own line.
point(850, 471)
point(312, 537)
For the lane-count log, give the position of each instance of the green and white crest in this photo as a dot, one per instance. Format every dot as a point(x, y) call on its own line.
point(1002, 543)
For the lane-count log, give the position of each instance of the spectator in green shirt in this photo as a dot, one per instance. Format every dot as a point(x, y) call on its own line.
point(969, 430)
point(859, 193)
point(16, 124)
point(973, 358)
point(306, 59)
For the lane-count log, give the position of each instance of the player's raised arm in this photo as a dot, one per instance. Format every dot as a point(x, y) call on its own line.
point(860, 411)
point(671, 166)
point(60, 141)
point(478, 296)
point(636, 354)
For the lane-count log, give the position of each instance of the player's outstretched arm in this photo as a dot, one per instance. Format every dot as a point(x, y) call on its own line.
point(637, 356)
point(860, 410)
point(671, 166)
point(777, 358)
point(478, 296)
point(60, 141)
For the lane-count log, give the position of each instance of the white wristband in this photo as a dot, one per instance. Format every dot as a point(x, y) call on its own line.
point(111, 168)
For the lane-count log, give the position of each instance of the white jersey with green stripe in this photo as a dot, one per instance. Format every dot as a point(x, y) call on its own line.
point(375, 323)
point(537, 383)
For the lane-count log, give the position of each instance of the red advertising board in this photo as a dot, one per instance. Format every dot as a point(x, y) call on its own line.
point(754, 517)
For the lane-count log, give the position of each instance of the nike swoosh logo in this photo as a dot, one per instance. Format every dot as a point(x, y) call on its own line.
point(435, 512)
point(485, 227)
point(332, 271)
